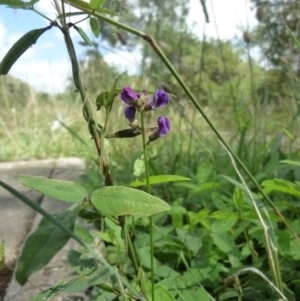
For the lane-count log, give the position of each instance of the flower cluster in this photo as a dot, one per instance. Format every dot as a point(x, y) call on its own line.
point(140, 101)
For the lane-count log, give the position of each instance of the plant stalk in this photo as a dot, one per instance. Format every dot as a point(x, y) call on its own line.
point(149, 191)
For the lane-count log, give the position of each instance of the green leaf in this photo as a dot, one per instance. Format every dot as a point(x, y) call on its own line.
point(222, 225)
point(111, 96)
point(101, 99)
point(225, 215)
point(159, 179)
point(189, 241)
point(32, 2)
point(84, 5)
point(238, 198)
point(100, 276)
point(118, 200)
point(229, 295)
point(15, 3)
point(71, 14)
point(293, 37)
point(96, 3)
point(57, 189)
point(19, 48)
point(207, 186)
point(53, 291)
point(195, 295)
point(160, 293)
point(232, 181)
point(2, 253)
point(95, 27)
point(18, 3)
point(172, 284)
point(83, 35)
point(81, 284)
point(226, 244)
point(82, 264)
point(289, 134)
point(203, 172)
point(84, 234)
point(145, 257)
point(200, 217)
point(290, 162)
point(282, 186)
point(178, 213)
point(44, 243)
point(195, 275)
point(138, 168)
point(165, 271)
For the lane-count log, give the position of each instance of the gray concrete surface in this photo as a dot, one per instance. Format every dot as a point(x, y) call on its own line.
point(17, 220)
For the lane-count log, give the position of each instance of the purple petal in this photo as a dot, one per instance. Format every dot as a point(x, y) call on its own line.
point(129, 113)
point(129, 96)
point(160, 99)
point(163, 126)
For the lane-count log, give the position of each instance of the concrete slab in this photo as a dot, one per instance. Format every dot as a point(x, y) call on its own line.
point(17, 221)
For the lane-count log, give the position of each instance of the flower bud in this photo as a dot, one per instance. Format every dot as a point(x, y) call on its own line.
point(162, 130)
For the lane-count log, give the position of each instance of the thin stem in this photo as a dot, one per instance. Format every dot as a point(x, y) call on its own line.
point(149, 191)
point(42, 15)
point(134, 258)
point(87, 107)
point(270, 247)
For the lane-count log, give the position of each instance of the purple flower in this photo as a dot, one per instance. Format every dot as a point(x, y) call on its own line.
point(160, 99)
point(129, 96)
point(129, 113)
point(163, 128)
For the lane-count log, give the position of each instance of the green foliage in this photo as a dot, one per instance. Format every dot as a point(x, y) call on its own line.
point(60, 190)
point(82, 264)
point(159, 180)
point(19, 48)
point(271, 33)
point(212, 232)
point(54, 290)
point(83, 35)
point(125, 201)
point(44, 243)
point(14, 93)
point(95, 27)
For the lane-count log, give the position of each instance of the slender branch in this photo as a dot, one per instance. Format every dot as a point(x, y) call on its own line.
point(149, 191)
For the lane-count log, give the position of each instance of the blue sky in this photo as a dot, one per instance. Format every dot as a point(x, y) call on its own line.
point(46, 64)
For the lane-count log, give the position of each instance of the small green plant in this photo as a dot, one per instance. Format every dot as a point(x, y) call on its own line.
point(221, 237)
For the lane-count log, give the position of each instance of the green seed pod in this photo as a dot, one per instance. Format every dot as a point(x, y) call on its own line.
point(89, 215)
point(19, 48)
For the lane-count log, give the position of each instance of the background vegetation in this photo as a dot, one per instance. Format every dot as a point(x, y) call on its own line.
point(213, 227)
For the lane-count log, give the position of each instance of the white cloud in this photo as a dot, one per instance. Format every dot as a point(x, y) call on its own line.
point(232, 18)
point(2, 31)
point(47, 8)
point(124, 60)
point(43, 75)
